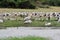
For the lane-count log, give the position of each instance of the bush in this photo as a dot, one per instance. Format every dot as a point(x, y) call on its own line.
point(26, 5)
point(6, 4)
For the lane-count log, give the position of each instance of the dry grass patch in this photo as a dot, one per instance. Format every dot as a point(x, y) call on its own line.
point(51, 9)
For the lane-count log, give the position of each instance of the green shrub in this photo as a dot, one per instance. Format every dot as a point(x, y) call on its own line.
point(26, 5)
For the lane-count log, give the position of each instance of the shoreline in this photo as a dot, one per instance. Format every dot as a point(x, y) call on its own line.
point(35, 28)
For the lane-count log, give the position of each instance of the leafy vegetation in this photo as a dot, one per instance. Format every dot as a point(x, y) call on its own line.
point(28, 4)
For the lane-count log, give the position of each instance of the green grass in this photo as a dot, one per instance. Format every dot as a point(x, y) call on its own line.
point(40, 23)
point(25, 38)
point(10, 23)
point(35, 23)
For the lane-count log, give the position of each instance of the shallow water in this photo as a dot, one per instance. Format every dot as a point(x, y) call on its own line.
point(23, 31)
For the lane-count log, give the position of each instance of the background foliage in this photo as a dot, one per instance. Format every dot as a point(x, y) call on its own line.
point(28, 4)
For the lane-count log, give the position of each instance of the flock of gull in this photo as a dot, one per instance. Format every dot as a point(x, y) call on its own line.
point(28, 15)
